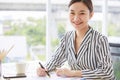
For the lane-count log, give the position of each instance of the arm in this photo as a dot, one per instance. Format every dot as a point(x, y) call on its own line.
point(58, 57)
point(105, 66)
point(104, 70)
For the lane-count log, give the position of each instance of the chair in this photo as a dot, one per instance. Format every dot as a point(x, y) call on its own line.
point(115, 52)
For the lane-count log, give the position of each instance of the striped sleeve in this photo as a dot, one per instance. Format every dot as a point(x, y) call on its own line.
point(104, 70)
point(58, 58)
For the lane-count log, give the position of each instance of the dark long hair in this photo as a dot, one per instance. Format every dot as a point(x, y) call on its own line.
point(88, 3)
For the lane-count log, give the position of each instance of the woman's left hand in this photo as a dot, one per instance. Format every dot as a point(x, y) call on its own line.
point(64, 72)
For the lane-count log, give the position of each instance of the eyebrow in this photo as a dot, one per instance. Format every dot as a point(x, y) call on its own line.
point(79, 11)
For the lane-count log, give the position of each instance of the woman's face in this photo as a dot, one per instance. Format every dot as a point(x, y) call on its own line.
point(79, 15)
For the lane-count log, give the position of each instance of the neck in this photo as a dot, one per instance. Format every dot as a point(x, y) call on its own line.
point(81, 33)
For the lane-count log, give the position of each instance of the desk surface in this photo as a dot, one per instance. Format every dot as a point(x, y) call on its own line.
point(31, 73)
point(53, 77)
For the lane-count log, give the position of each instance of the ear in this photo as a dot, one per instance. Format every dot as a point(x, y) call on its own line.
point(91, 15)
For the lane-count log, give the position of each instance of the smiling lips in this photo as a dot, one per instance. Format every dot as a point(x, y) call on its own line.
point(77, 23)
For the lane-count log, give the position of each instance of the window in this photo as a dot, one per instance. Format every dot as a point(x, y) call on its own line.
point(29, 19)
point(114, 18)
point(24, 20)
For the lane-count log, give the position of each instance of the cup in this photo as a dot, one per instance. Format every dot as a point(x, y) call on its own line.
point(20, 67)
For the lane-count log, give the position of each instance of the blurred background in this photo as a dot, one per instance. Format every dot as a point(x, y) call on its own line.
point(35, 27)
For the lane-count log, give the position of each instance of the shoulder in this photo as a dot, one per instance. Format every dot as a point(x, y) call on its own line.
point(98, 35)
point(68, 34)
point(100, 38)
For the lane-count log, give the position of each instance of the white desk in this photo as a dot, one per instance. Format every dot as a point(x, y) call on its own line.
point(31, 73)
point(53, 77)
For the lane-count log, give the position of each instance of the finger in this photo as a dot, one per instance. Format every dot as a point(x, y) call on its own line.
point(59, 72)
point(41, 72)
point(38, 72)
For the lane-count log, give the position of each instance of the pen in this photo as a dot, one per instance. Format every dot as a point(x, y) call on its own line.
point(44, 68)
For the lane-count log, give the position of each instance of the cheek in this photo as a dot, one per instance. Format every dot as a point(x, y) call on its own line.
point(70, 18)
point(85, 19)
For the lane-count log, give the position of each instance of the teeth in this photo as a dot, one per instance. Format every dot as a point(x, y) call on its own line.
point(78, 23)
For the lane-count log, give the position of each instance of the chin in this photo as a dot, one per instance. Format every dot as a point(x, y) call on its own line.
point(76, 26)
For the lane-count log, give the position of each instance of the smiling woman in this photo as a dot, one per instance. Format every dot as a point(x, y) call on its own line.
point(85, 49)
point(34, 26)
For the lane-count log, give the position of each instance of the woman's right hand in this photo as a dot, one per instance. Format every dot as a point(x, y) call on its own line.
point(41, 72)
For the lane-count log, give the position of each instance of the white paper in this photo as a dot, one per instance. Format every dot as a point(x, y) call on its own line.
point(53, 77)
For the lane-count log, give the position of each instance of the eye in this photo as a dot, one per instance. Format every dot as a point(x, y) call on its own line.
point(72, 13)
point(82, 13)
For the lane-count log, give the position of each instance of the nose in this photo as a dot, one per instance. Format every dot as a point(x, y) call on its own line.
point(76, 18)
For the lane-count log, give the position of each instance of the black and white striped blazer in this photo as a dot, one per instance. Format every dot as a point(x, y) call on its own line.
point(93, 59)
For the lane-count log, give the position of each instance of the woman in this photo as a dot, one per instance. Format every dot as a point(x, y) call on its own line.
point(86, 50)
